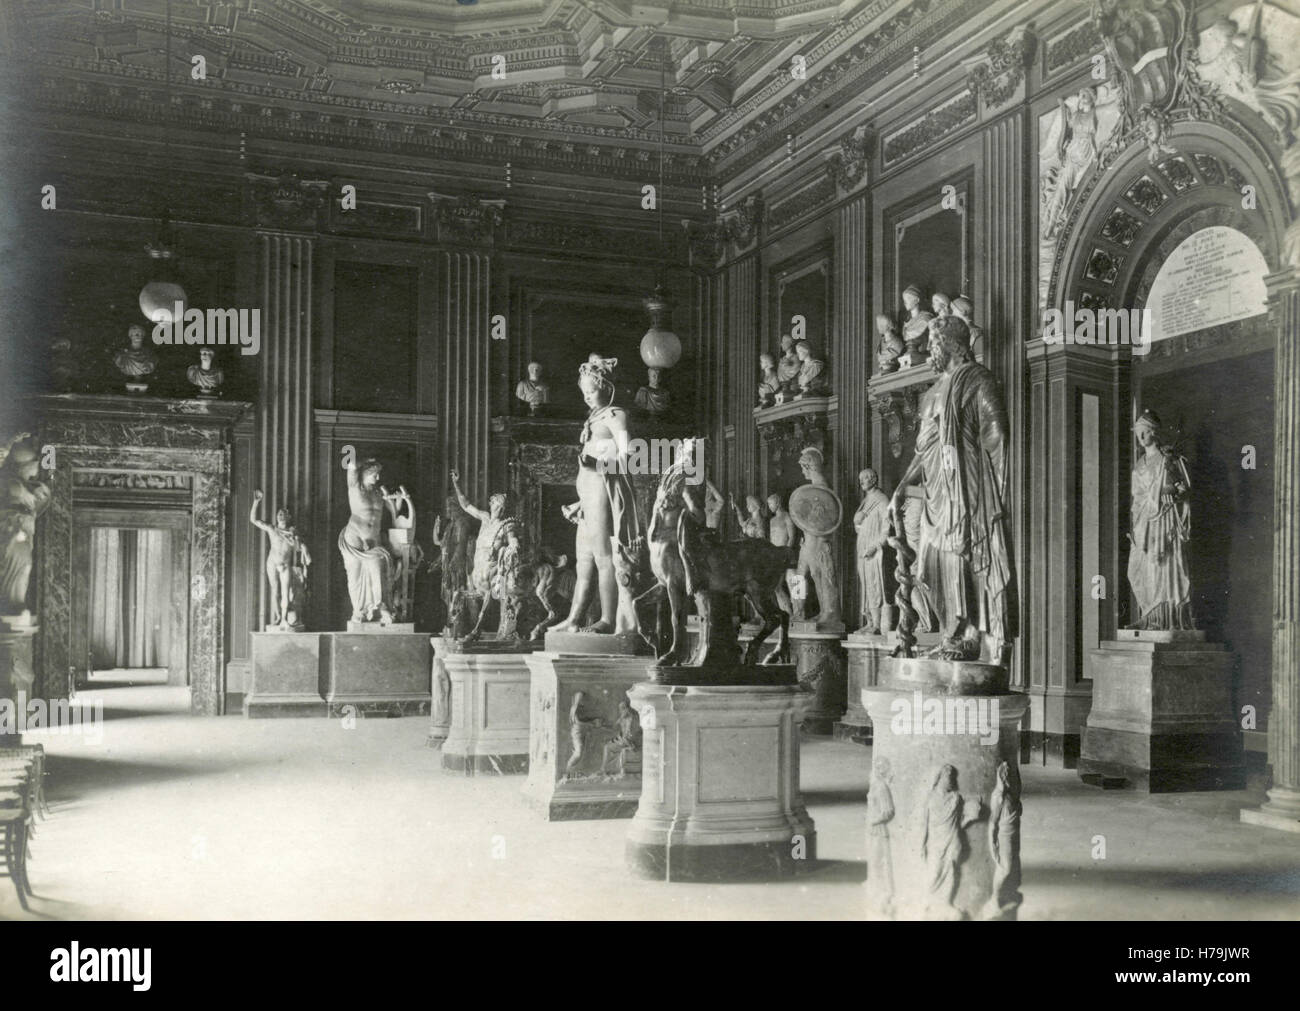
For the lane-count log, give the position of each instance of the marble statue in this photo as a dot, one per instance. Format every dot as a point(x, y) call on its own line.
point(653, 398)
point(713, 504)
point(880, 861)
point(787, 366)
point(781, 530)
point(690, 561)
point(871, 522)
point(891, 345)
point(368, 564)
point(813, 379)
point(287, 562)
point(941, 304)
point(768, 386)
point(916, 328)
point(1004, 844)
point(137, 360)
point(1162, 523)
point(531, 390)
point(407, 553)
point(964, 309)
point(945, 816)
point(626, 742)
point(456, 541)
point(752, 523)
point(606, 510)
point(23, 497)
point(489, 522)
point(816, 510)
point(203, 375)
point(964, 555)
point(919, 599)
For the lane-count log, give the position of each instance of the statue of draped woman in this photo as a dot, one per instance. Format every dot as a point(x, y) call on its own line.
point(1162, 523)
point(369, 565)
point(23, 497)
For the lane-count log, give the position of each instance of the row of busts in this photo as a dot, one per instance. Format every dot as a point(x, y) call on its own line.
point(137, 361)
point(798, 373)
point(912, 347)
point(652, 398)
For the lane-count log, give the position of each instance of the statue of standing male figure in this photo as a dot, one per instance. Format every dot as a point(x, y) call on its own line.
point(961, 462)
point(871, 522)
point(287, 563)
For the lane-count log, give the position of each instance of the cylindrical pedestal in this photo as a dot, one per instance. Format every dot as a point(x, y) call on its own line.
point(943, 804)
point(720, 794)
point(585, 745)
point(819, 665)
point(489, 713)
point(865, 652)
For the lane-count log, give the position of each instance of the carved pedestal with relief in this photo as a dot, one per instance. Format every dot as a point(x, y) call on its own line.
point(820, 668)
point(585, 749)
point(720, 794)
point(1162, 718)
point(943, 801)
point(866, 652)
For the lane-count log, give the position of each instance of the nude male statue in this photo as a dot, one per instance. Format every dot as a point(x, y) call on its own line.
point(287, 562)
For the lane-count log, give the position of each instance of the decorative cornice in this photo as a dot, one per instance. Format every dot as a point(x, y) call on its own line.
point(805, 201)
point(930, 127)
point(997, 78)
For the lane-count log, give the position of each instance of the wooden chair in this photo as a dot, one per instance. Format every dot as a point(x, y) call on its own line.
point(15, 825)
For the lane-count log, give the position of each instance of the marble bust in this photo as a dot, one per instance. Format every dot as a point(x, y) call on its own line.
point(891, 345)
point(768, 385)
point(941, 304)
point(653, 398)
point(916, 328)
point(203, 375)
point(137, 360)
point(787, 366)
point(964, 309)
point(812, 378)
point(531, 390)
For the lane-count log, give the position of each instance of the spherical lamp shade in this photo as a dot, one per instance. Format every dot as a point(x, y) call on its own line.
point(158, 300)
point(660, 347)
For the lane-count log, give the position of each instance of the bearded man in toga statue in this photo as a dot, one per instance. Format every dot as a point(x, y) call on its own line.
point(961, 461)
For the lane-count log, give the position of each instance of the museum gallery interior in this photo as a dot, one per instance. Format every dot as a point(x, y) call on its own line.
point(549, 458)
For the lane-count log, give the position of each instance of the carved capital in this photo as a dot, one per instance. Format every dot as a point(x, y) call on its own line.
point(743, 225)
point(466, 218)
point(706, 241)
point(847, 166)
point(285, 200)
point(1001, 71)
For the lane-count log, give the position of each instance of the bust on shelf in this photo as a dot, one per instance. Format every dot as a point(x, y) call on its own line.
point(891, 345)
point(136, 361)
point(964, 309)
point(812, 380)
point(916, 329)
point(768, 386)
point(653, 398)
point(532, 390)
point(205, 376)
point(941, 304)
point(787, 366)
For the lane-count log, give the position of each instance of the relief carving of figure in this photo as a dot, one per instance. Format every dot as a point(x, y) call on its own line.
point(1076, 149)
point(1162, 523)
point(626, 743)
point(880, 861)
point(945, 815)
point(1004, 843)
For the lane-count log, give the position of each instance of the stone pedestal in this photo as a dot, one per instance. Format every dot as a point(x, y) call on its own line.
point(374, 628)
point(865, 651)
point(720, 794)
point(284, 676)
point(943, 802)
point(489, 708)
point(1162, 718)
point(17, 675)
point(605, 779)
point(376, 674)
point(820, 668)
point(596, 643)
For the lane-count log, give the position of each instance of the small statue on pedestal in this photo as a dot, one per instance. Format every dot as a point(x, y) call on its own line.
point(891, 345)
point(916, 328)
point(287, 563)
point(136, 361)
point(369, 565)
point(204, 376)
point(1162, 523)
point(816, 510)
point(812, 380)
point(531, 390)
point(652, 398)
point(871, 522)
point(23, 497)
point(768, 386)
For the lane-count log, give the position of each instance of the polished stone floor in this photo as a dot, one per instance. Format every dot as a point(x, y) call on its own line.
point(172, 816)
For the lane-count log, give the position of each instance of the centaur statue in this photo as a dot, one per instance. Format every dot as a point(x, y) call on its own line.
point(688, 559)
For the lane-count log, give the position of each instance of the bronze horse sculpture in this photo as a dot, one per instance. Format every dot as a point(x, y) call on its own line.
point(687, 559)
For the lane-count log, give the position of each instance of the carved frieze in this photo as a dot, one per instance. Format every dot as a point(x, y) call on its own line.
point(998, 78)
point(135, 480)
point(931, 127)
point(285, 200)
point(466, 218)
point(804, 202)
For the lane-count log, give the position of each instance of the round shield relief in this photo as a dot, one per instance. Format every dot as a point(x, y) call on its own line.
point(815, 510)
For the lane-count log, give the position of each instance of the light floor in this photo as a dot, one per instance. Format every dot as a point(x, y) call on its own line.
point(173, 816)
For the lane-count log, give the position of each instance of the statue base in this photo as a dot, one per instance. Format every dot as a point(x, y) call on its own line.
point(865, 652)
point(373, 627)
point(819, 667)
point(444, 646)
point(737, 674)
point(1162, 717)
point(720, 794)
point(971, 866)
point(284, 676)
point(605, 781)
point(286, 628)
point(373, 674)
point(136, 388)
point(16, 671)
point(23, 624)
point(596, 643)
point(488, 686)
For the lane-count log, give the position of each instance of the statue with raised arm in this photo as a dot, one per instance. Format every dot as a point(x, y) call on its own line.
point(489, 522)
point(287, 563)
point(368, 563)
point(713, 505)
point(407, 553)
point(964, 555)
point(23, 497)
point(753, 522)
point(606, 512)
point(1162, 523)
point(455, 538)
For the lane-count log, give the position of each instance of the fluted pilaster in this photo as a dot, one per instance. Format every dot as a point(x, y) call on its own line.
point(464, 318)
point(743, 342)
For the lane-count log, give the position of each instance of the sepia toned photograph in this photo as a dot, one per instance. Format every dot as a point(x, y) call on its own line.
point(650, 460)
